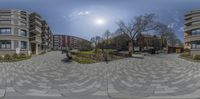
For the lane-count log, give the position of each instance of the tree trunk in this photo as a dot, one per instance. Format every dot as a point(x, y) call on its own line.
point(131, 48)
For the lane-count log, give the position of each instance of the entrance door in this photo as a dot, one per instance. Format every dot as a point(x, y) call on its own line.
point(33, 48)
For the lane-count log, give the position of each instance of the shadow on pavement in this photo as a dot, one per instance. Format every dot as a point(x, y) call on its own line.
point(66, 60)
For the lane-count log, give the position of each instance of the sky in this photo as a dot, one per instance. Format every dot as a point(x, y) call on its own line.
point(88, 18)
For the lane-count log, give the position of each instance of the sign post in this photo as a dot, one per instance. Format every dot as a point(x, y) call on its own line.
point(17, 50)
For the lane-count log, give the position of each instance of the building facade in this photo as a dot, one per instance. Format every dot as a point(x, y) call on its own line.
point(146, 42)
point(192, 31)
point(22, 32)
point(46, 37)
point(65, 41)
point(14, 31)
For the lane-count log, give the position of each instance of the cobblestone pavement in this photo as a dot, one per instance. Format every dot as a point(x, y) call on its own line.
point(155, 76)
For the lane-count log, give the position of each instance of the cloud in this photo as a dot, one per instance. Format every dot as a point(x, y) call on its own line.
point(79, 13)
point(171, 25)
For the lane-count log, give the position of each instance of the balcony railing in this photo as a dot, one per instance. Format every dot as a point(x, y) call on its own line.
point(191, 27)
point(192, 20)
point(35, 30)
point(35, 39)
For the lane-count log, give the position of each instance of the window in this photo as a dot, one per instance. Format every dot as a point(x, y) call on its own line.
point(6, 12)
point(195, 45)
point(5, 44)
point(23, 44)
point(196, 32)
point(23, 32)
point(5, 16)
point(5, 30)
point(5, 21)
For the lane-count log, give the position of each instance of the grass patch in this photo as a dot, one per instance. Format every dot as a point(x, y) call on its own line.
point(83, 60)
point(88, 57)
point(87, 52)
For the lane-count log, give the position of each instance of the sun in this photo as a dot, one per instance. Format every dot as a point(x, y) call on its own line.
point(100, 21)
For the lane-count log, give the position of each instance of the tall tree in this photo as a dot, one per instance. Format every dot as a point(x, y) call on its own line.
point(138, 25)
point(167, 34)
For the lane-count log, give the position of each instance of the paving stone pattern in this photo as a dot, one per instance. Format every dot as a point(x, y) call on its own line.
point(47, 75)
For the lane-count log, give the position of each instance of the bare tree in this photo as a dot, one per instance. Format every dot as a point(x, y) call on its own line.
point(138, 25)
point(167, 34)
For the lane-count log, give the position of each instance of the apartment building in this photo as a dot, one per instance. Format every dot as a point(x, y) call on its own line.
point(14, 31)
point(46, 37)
point(23, 32)
point(65, 41)
point(146, 42)
point(60, 42)
point(192, 31)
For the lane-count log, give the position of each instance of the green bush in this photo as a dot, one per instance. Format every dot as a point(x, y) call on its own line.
point(83, 60)
point(186, 50)
point(196, 57)
point(7, 57)
point(1, 58)
point(15, 56)
point(186, 54)
point(22, 55)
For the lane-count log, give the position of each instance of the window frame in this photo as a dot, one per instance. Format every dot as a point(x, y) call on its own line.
point(5, 44)
point(5, 31)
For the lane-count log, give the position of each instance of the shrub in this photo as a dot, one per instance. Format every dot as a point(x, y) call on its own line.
point(196, 57)
point(1, 58)
point(22, 55)
point(15, 56)
point(83, 60)
point(186, 54)
point(7, 57)
point(186, 50)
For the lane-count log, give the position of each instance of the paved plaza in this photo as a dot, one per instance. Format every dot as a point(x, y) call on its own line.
point(49, 76)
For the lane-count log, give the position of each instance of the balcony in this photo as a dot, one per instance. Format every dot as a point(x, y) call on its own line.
point(191, 20)
point(191, 27)
point(192, 38)
point(36, 22)
point(191, 15)
point(5, 12)
point(5, 17)
point(35, 30)
point(35, 39)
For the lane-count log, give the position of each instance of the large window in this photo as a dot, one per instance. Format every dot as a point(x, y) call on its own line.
point(23, 32)
point(196, 32)
point(5, 30)
point(195, 45)
point(23, 44)
point(5, 44)
point(5, 21)
point(5, 16)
